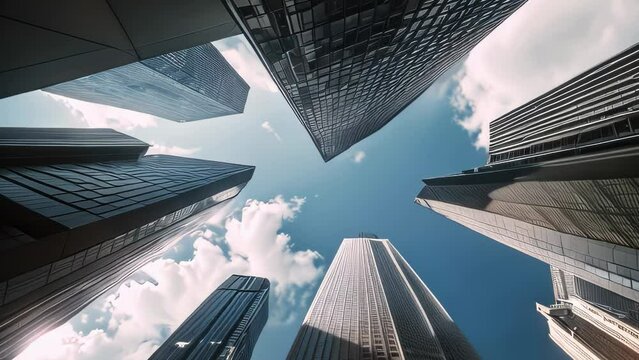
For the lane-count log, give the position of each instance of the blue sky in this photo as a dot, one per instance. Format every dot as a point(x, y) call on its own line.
point(290, 219)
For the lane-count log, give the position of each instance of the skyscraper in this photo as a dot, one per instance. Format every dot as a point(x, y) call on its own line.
point(348, 67)
point(51, 44)
point(372, 305)
point(225, 326)
point(589, 322)
point(75, 224)
point(562, 181)
point(186, 85)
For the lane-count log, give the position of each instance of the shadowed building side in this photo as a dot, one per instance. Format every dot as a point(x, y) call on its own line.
point(594, 196)
point(33, 146)
point(372, 305)
point(74, 230)
point(225, 326)
point(108, 34)
point(347, 68)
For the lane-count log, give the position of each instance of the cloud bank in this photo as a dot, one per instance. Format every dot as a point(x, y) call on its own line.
point(103, 116)
point(545, 43)
point(171, 150)
point(133, 321)
point(238, 52)
point(267, 126)
point(359, 156)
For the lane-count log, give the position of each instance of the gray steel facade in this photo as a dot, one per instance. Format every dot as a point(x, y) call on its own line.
point(566, 285)
point(348, 67)
point(613, 267)
point(372, 305)
point(21, 146)
point(589, 322)
point(72, 230)
point(594, 196)
point(192, 84)
point(597, 109)
point(51, 44)
point(561, 183)
point(225, 326)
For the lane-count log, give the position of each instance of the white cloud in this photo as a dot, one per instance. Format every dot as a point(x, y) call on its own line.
point(101, 116)
point(267, 126)
point(545, 43)
point(359, 156)
point(137, 312)
point(238, 52)
point(171, 150)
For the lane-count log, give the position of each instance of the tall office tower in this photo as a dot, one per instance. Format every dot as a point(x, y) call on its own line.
point(225, 326)
point(51, 44)
point(589, 322)
point(562, 181)
point(348, 67)
point(372, 305)
point(76, 224)
point(186, 85)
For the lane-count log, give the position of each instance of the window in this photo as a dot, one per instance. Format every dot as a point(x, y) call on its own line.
point(634, 122)
point(622, 127)
point(589, 136)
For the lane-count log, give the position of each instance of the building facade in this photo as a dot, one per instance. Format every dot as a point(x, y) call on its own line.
point(347, 68)
point(225, 326)
point(561, 183)
point(596, 110)
point(186, 85)
point(589, 322)
point(110, 33)
point(74, 229)
point(372, 305)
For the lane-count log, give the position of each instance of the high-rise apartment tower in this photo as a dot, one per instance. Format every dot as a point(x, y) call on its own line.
point(591, 323)
point(83, 210)
point(186, 85)
point(372, 305)
point(47, 44)
point(347, 68)
point(562, 181)
point(225, 326)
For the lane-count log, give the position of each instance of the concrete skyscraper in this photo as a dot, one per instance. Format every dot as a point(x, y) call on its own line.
point(186, 85)
point(47, 44)
point(562, 181)
point(591, 323)
point(372, 305)
point(86, 216)
point(225, 326)
point(347, 68)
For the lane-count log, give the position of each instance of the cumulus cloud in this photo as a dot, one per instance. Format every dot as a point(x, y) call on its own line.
point(171, 150)
point(140, 315)
point(545, 43)
point(101, 116)
point(267, 126)
point(238, 52)
point(359, 156)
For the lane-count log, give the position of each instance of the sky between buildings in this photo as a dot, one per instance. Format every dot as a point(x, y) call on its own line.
point(288, 222)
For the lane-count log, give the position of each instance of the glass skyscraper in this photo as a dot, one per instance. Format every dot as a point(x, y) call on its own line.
point(225, 326)
point(372, 305)
point(50, 45)
point(562, 181)
point(591, 323)
point(186, 85)
point(348, 67)
point(76, 224)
